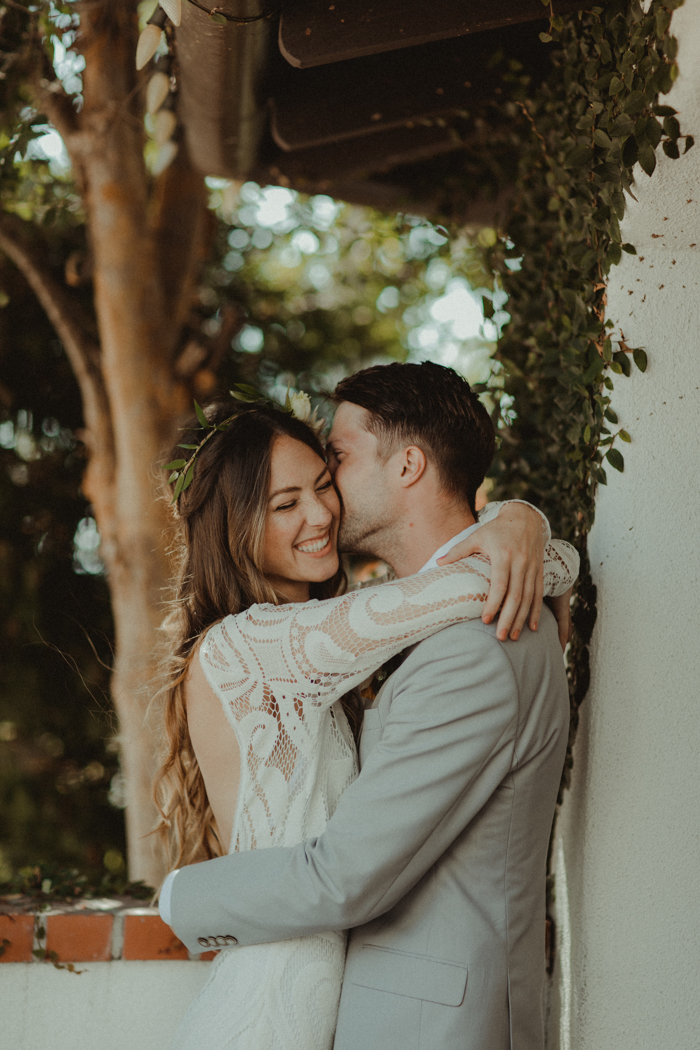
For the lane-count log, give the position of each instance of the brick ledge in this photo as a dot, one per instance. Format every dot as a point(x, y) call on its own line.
point(92, 931)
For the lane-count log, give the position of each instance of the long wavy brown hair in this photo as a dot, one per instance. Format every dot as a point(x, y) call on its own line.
point(221, 523)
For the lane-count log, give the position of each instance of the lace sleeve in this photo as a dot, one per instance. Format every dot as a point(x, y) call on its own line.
point(491, 511)
point(317, 651)
point(561, 565)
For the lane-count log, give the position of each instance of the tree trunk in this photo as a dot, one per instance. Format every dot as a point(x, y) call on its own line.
point(145, 246)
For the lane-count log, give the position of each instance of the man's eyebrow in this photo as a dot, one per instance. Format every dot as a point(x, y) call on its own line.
point(297, 488)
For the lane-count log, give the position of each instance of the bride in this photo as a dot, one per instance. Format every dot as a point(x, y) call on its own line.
point(260, 713)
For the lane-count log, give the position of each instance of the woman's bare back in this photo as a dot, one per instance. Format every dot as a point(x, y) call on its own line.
point(215, 746)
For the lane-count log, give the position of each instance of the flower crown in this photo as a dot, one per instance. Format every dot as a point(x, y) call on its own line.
point(297, 404)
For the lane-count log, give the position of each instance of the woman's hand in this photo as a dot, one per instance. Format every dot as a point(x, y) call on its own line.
point(514, 544)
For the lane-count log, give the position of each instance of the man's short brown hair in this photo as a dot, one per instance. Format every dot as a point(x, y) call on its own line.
point(432, 407)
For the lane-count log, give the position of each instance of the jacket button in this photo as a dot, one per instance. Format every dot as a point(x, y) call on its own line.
point(230, 939)
point(203, 942)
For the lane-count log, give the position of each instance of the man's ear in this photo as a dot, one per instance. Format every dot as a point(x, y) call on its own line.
point(413, 464)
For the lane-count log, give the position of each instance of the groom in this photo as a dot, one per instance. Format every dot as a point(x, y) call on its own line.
point(435, 857)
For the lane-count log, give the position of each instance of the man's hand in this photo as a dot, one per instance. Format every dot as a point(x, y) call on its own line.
point(514, 544)
point(561, 607)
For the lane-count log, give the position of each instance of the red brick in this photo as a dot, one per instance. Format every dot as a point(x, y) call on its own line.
point(19, 931)
point(80, 937)
point(147, 937)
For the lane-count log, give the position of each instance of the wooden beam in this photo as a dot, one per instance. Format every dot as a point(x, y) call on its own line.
point(368, 154)
point(397, 196)
point(317, 32)
point(221, 75)
point(425, 84)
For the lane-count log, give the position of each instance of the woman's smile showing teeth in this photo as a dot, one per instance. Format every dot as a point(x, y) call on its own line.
point(314, 546)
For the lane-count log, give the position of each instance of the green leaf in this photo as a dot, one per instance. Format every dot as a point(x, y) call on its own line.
point(665, 111)
point(615, 459)
point(640, 358)
point(188, 446)
point(689, 143)
point(200, 415)
point(188, 478)
point(630, 152)
point(545, 38)
point(671, 149)
point(601, 139)
point(672, 128)
point(629, 248)
point(219, 19)
point(623, 361)
point(588, 259)
point(593, 371)
point(621, 127)
point(635, 102)
point(178, 487)
point(610, 415)
point(623, 435)
point(587, 433)
point(176, 464)
point(579, 156)
point(616, 84)
point(663, 21)
point(647, 158)
point(173, 476)
point(654, 131)
point(614, 254)
point(245, 392)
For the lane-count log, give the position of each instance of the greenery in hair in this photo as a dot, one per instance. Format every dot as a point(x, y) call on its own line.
point(297, 405)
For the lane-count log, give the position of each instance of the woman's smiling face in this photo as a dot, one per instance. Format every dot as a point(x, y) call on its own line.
point(301, 524)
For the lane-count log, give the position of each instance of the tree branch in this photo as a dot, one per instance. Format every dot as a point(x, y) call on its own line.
point(68, 319)
point(178, 221)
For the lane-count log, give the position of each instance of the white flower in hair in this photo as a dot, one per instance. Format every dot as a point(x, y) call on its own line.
point(300, 405)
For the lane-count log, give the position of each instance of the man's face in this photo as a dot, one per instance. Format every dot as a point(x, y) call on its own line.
point(362, 478)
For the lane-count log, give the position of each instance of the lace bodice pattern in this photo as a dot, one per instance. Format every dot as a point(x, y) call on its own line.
point(280, 670)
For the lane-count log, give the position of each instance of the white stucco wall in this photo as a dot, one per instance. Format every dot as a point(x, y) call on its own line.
point(120, 1005)
point(627, 853)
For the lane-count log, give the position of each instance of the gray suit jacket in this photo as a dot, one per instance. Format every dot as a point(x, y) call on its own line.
point(435, 856)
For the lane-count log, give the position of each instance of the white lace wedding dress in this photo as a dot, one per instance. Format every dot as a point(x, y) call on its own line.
point(280, 671)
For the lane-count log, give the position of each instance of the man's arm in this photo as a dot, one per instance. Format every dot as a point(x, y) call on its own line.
point(447, 744)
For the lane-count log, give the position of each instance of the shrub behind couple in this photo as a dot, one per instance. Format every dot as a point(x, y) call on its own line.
point(434, 855)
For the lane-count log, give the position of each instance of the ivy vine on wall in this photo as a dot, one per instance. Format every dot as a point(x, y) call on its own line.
point(577, 137)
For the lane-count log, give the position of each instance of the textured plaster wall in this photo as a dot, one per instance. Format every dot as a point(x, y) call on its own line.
point(121, 1005)
point(627, 852)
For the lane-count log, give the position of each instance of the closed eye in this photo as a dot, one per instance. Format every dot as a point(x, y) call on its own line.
point(325, 486)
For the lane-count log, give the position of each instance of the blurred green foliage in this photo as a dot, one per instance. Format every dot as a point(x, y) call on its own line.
point(320, 289)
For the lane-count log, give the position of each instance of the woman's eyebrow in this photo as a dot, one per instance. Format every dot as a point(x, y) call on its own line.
point(297, 488)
